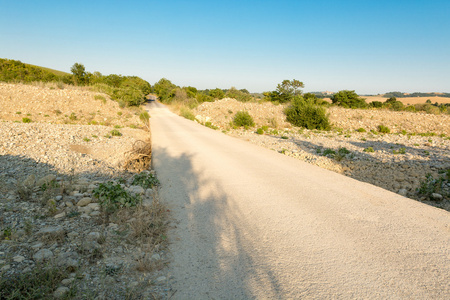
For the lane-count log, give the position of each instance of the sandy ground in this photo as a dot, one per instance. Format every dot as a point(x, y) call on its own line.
point(255, 224)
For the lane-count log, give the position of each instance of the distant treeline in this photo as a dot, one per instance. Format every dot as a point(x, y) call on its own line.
point(405, 95)
point(127, 90)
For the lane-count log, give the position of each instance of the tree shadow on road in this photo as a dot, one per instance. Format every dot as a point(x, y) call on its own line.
point(213, 256)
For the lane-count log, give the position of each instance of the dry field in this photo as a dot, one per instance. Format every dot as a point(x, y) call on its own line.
point(410, 100)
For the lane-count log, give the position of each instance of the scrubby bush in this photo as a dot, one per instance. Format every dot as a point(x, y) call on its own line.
point(260, 131)
point(238, 95)
point(243, 118)
point(116, 132)
point(26, 120)
point(376, 104)
point(383, 129)
point(348, 99)
point(303, 113)
point(361, 129)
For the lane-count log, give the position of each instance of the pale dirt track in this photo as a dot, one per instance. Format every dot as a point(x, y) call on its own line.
point(256, 224)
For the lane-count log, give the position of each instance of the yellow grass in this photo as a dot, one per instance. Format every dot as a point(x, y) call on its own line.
point(409, 100)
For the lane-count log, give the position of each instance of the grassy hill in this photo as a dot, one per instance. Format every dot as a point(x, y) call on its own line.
point(56, 72)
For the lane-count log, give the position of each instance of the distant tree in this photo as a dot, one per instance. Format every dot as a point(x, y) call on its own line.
point(191, 91)
point(79, 73)
point(285, 91)
point(348, 99)
point(165, 90)
point(238, 95)
point(216, 93)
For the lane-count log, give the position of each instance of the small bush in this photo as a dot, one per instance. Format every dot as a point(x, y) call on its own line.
point(243, 118)
point(260, 131)
point(369, 149)
point(73, 117)
point(361, 129)
point(399, 151)
point(18, 112)
point(303, 113)
point(116, 132)
point(146, 180)
point(383, 129)
point(26, 120)
point(113, 197)
point(329, 152)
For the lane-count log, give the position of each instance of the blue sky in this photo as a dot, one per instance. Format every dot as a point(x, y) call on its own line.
point(371, 46)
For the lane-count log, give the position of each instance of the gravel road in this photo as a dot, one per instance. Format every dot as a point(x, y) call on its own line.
point(255, 224)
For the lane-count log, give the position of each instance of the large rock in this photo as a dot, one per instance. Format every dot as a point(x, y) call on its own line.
point(84, 201)
point(61, 292)
point(42, 255)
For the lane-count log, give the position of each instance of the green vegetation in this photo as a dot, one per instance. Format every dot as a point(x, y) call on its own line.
point(361, 129)
point(243, 118)
point(187, 113)
point(115, 132)
point(383, 129)
point(399, 151)
point(260, 131)
point(369, 149)
point(304, 113)
point(26, 120)
point(113, 197)
point(146, 180)
point(285, 92)
point(434, 185)
point(127, 90)
point(38, 283)
point(348, 99)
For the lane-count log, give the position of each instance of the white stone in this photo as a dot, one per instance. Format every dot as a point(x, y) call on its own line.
point(61, 292)
point(18, 258)
point(436, 196)
point(84, 201)
point(43, 254)
point(61, 215)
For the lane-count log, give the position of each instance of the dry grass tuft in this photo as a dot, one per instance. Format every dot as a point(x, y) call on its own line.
point(139, 157)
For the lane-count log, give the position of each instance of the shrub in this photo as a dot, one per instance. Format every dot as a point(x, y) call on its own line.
point(116, 132)
point(26, 120)
point(260, 131)
point(376, 104)
point(303, 113)
point(243, 118)
point(113, 197)
point(348, 99)
point(369, 149)
point(187, 113)
point(73, 117)
point(361, 129)
point(383, 129)
point(399, 151)
point(146, 180)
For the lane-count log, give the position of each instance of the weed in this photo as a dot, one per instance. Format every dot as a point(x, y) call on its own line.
point(117, 126)
point(361, 129)
point(260, 131)
point(7, 233)
point(433, 185)
point(265, 128)
point(403, 132)
point(39, 283)
point(399, 151)
point(46, 116)
point(113, 196)
point(146, 180)
point(284, 137)
point(116, 132)
point(119, 113)
point(329, 152)
point(369, 149)
point(383, 129)
point(95, 136)
point(363, 139)
point(187, 113)
point(26, 120)
point(319, 150)
point(426, 152)
point(18, 112)
point(57, 112)
point(210, 125)
point(73, 117)
point(29, 115)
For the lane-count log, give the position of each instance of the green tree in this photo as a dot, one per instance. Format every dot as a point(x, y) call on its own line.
point(79, 73)
point(348, 99)
point(216, 93)
point(286, 91)
point(165, 90)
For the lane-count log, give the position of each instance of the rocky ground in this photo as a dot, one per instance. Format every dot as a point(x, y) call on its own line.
point(418, 145)
point(60, 236)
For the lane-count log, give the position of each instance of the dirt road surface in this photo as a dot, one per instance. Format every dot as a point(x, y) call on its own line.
point(255, 224)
